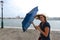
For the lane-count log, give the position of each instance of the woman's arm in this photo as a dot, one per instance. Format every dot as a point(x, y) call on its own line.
point(46, 31)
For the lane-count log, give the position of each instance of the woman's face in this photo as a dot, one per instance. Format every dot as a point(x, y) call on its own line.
point(42, 19)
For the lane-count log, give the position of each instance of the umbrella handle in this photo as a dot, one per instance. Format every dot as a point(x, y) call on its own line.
point(34, 25)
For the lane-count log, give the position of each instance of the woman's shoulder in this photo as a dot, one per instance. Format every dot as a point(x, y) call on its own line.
point(47, 24)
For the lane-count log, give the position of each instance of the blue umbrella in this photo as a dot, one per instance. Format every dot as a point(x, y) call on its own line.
point(29, 18)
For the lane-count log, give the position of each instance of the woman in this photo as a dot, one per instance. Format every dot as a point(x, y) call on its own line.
point(43, 27)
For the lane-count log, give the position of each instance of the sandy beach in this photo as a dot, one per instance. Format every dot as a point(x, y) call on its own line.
point(18, 34)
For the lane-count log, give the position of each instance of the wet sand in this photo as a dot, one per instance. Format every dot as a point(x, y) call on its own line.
point(18, 34)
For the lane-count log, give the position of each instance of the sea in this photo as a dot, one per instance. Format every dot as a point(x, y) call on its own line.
point(17, 23)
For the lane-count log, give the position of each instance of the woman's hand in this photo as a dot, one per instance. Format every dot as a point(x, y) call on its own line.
point(36, 27)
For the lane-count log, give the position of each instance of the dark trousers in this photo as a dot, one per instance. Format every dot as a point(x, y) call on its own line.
point(39, 38)
point(42, 39)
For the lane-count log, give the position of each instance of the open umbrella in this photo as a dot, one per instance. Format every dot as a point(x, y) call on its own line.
point(29, 18)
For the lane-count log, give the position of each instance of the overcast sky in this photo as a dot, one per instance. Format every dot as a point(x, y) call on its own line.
point(12, 8)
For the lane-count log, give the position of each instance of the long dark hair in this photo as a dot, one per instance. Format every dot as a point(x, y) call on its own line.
point(38, 16)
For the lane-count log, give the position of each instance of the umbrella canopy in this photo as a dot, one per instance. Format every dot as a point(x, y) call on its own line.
point(29, 18)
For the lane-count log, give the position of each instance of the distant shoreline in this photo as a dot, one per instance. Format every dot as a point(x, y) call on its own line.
point(23, 18)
